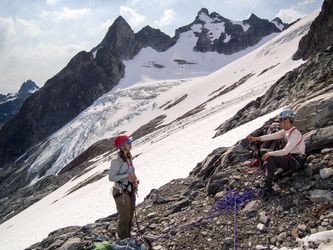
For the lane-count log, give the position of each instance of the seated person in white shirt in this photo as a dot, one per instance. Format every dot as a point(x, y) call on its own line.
point(291, 157)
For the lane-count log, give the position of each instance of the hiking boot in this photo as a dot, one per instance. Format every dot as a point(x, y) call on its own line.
point(266, 189)
point(280, 174)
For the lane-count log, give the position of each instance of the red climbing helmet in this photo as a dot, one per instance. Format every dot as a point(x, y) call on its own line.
point(119, 140)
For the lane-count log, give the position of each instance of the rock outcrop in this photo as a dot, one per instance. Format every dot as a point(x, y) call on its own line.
point(320, 36)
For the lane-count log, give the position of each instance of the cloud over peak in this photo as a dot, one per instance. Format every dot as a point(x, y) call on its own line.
point(7, 29)
point(166, 19)
point(131, 16)
point(67, 13)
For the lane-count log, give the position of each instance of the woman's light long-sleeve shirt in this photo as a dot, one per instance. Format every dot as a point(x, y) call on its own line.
point(119, 170)
point(294, 141)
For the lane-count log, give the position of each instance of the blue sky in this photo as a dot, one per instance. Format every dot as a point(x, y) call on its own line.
point(39, 37)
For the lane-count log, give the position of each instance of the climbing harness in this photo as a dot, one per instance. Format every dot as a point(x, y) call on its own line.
point(232, 200)
point(296, 157)
point(123, 187)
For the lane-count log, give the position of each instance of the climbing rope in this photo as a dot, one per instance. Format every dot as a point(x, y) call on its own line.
point(136, 217)
point(234, 199)
point(231, 200)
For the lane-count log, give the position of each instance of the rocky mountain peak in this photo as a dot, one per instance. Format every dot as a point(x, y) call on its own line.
point(214, 16)
point(279, 24)
point(262, 27)
point(29, 86)
point(203, 11)
point(253, 17)
point(277, 20)
point(120, 39)
point(154, 38)
point(232, 36)
point(10, 104)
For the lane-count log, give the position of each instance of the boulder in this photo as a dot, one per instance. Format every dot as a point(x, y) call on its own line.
point(320, 196)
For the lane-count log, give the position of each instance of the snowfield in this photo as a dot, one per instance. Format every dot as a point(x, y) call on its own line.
point(170, 152)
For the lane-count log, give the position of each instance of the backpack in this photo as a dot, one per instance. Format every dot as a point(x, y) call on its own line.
point(131, 244)
point(102, 245)
point(98, 244)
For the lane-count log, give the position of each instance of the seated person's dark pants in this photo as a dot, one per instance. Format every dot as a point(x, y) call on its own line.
point(275, 162)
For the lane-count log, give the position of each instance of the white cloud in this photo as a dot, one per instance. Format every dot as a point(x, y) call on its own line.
point(46, 52)
point(166, 19)
point(134, 19)
point(67, 13)
point(289, 15)
point(28, 28)
point(19, 28)
point(102, 28)
point(135, 2)
point(52, 2)
point(7, 29)
point(305, 2)
point(72, 13)
point(244, 3)
point(294, 13)
point(106, 25)
point(36, 62)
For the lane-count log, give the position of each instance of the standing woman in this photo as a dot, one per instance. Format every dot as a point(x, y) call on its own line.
point(122, 172)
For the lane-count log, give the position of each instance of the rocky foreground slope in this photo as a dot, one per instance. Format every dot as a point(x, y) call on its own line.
point(301, 204)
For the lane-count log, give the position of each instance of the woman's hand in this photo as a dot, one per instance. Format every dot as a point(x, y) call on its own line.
point(131, 177)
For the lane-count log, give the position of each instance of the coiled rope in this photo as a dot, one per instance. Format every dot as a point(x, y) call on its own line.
point(231, 200)
point(235, 199)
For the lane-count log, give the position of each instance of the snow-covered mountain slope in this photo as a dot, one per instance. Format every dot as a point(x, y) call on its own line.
point(180, 61)
point(168, 153)
point(145, 89)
